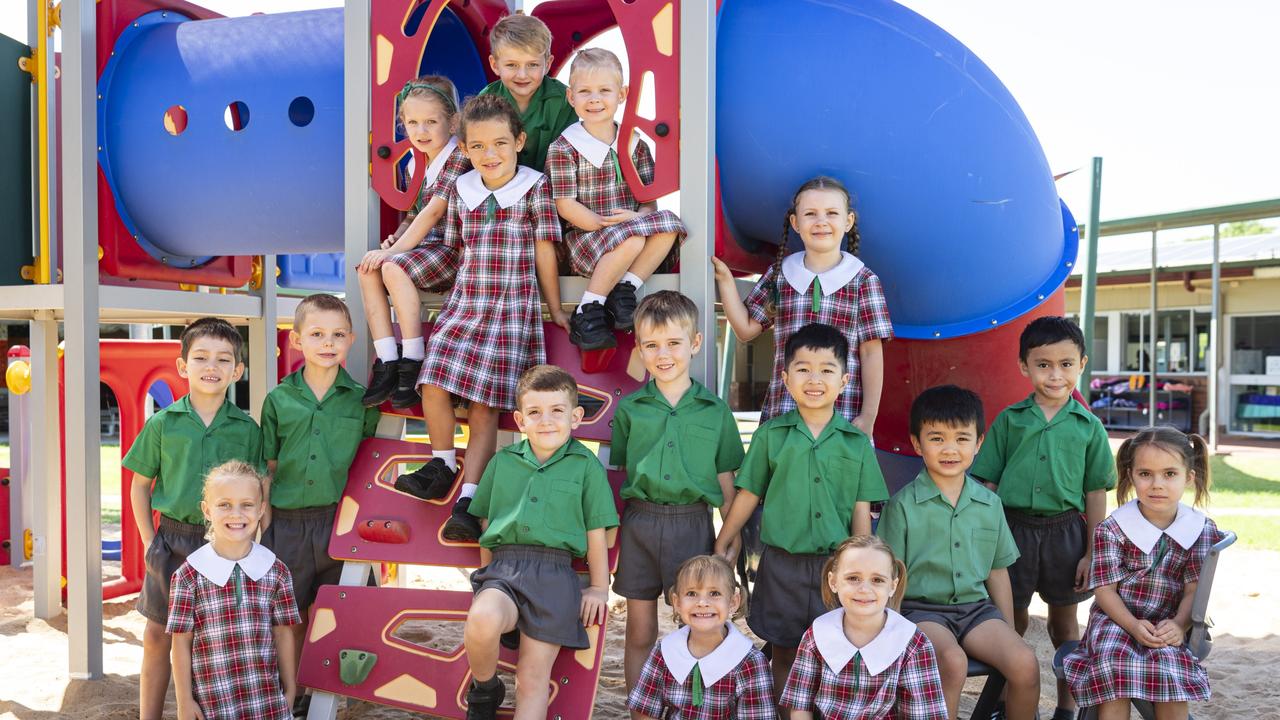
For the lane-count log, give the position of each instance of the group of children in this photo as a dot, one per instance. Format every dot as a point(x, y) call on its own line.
point(861, 619)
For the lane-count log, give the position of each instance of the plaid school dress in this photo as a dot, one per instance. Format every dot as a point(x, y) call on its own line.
point(230, 608)
point(850, 298)
point(1150, 569)
point(433, 265)
point(894, 676)
point(490, 328)
point(730, 683)
point(586, 169)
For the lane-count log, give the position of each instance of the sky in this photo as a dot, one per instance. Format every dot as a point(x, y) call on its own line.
point(1179, 98)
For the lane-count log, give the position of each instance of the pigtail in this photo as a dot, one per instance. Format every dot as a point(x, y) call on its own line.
point(775, 294)
point(855, 238)
point(900, 568)
point(1200, 464)
point(1124, 470)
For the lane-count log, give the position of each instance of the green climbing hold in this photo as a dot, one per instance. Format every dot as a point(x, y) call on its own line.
point(354, 666)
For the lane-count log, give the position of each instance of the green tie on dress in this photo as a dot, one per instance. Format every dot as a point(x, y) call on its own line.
point(1159, 551)
point(490, 208)
point(237, 575)
point(617, 166)
point(817, 294)
point(695, 681)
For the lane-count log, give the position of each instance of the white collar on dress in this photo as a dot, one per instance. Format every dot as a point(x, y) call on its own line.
point(473, 192)
point(1185, 529)
point(217, 569)
point(591, 147)
point(715, 665)
point(800, 277)
point(880, 653)
point(442, 157)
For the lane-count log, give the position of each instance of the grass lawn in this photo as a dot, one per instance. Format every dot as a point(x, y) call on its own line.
point(1245, 481)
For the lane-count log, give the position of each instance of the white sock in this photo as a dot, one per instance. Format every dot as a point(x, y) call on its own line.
point(413, 348)
point(468, 490)
point(450, 458)
point(386, 349)
point(589, 297)
point(634, 279)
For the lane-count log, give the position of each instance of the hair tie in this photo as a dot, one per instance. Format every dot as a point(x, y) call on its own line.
point(412, 85)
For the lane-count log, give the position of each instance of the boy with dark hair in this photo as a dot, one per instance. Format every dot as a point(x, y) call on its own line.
point(1049, 460)
point(950, 532)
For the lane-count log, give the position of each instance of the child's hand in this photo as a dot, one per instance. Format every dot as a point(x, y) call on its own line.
point(373, 260)
point(728, 548)
point(1169, 632)
point(290, 694)
point(391, 240)
point(1082, 573)
point(618, 216)
point(866, 424)
point(722, 270)
point(190, 710)
point(1145, 633)
point(560, 317)
point(595, 606)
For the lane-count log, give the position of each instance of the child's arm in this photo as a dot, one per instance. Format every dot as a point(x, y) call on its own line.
point(861, 518)
point(486, 555)
point(266, 494)
point(578, 215)
point(1095, 511)
point(406, 237)
point(1142, 630)
point(188, 709)
point(548, 269)
point(744, 503)
point(871, 356)
point(595, 599)
point(735, 311)
point(286, 659)
point(1001, 592)
point(726, 487)
point(140, 500)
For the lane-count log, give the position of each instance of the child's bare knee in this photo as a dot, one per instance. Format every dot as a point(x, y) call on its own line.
point(1023, 670)
point(953, 664)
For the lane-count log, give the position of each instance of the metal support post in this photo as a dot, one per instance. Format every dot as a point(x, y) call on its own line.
point(1214, 360)
point(1151, 336)
point(697, 169)
point(1090, 280)
point(262, 341)
point(361, 217)
point(46, 501)
point(727, 361)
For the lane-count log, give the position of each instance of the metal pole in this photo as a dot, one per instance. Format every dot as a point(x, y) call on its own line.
point(727, 362)
point(361, 224)
point(1151, 339)
point(697, 163)
point(46, 437)
point(1090, 280)
point(262, 341)
point(1214, 361)
point(83, 401)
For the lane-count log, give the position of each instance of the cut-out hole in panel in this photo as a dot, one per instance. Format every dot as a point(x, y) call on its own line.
point(175, 119)
point(591, 403)
point(646, 106)
point(236, 116)
point(404, 171)
point(302, 111)
point(440, 638)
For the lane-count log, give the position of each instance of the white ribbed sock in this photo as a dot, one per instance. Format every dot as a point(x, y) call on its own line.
point(634, 279)
point(413, 348)
point(450, 458)
point(589, 297)
point(468, 490)
point(386, 349)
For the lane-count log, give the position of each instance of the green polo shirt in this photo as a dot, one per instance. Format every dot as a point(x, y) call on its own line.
point(552, 504)
point(313, 442)
point(673, 454)
point(548, 114)
point(1045, 468)
point(949, 551)
point(177, 450)
point(808, 485)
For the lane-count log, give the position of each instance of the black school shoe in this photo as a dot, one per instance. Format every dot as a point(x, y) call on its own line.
point(381, 382)
point(406, 393)
point(620, 306)
point(429, 482)
point(589, 328)
point(462, 525)
point(301, 705)
point(484, 699)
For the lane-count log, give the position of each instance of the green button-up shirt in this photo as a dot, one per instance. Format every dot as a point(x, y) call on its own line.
point(313, 442)
point(809, 485)
point(178, 450)
point(552, 504)
point(1046, 468)
point(548, 114)
point(673, 454)
point(949, 551)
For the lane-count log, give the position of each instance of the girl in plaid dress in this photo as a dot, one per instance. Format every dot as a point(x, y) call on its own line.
point(862, 660)
point(612, 239)
point(503, 223)
point(415, 257)
point(706, 670)
point(1146, 564)
point(822, 284)
point(230, 606)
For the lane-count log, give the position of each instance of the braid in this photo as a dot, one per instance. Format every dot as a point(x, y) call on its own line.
point(855, 239)
point(776, 295)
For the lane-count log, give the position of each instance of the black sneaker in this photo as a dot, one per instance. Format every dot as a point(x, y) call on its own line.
point(381, 382)
point(301, 705)
point(429, 482)
point(484, 699)
point(462, 525)
point(620, 306)
point(589, 328)
point(406, 393)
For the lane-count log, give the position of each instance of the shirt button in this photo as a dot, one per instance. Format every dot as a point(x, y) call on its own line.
point(957, 573)
point(666, 477)
point(1037, 489)
point(1042, 458)
point(533, 499)
point(670, 443)
point(310, 482)
point(315, 432)
point(957, 544)
point(539, 469)
point(817, 514)
point(817, 479)
point(313, 457)
point(525, 528)
point(673, 412)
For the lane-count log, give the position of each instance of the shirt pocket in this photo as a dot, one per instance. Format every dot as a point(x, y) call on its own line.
point(563, 513)
point(699, 452)
point(343, 441)
point(846, 473)
point(984, 550)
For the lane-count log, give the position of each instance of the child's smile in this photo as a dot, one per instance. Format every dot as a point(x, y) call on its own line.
point(815, 378)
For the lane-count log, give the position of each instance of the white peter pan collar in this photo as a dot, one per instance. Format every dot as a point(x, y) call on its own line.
point(217, 569)
point(880, 653)
point(1185, 529)
point(716, 664)
point(595, 150)
point(800, 277)
point(473, 192)
point(442, 157)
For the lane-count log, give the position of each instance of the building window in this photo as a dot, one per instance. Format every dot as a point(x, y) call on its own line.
point(1255, 371)
point(1181, 340)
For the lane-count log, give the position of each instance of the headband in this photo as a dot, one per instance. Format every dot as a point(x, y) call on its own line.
point(412, 85)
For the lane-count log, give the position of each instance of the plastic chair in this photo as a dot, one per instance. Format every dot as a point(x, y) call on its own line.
point(990, 695)
point(1198, 640)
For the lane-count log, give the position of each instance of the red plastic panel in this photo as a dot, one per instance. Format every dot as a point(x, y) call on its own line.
point(986, 363)
point(371, 497)
point(572, 23)
point(416, 677)
point(7, 544)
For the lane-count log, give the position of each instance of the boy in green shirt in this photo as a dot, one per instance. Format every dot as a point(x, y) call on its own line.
point(679, 444)
point(543, 502)
point(169, 459)
point(312, 425)
point(520, 47)
point(818, 476)
point(950, 532)
point(1049, 460)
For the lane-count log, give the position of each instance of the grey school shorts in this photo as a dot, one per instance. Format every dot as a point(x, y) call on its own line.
point(544, 587)
point(174, 541)
point(959, 620)
point(653, 541)
point(787, 596)
point(300, 539)
point(1051, 547)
